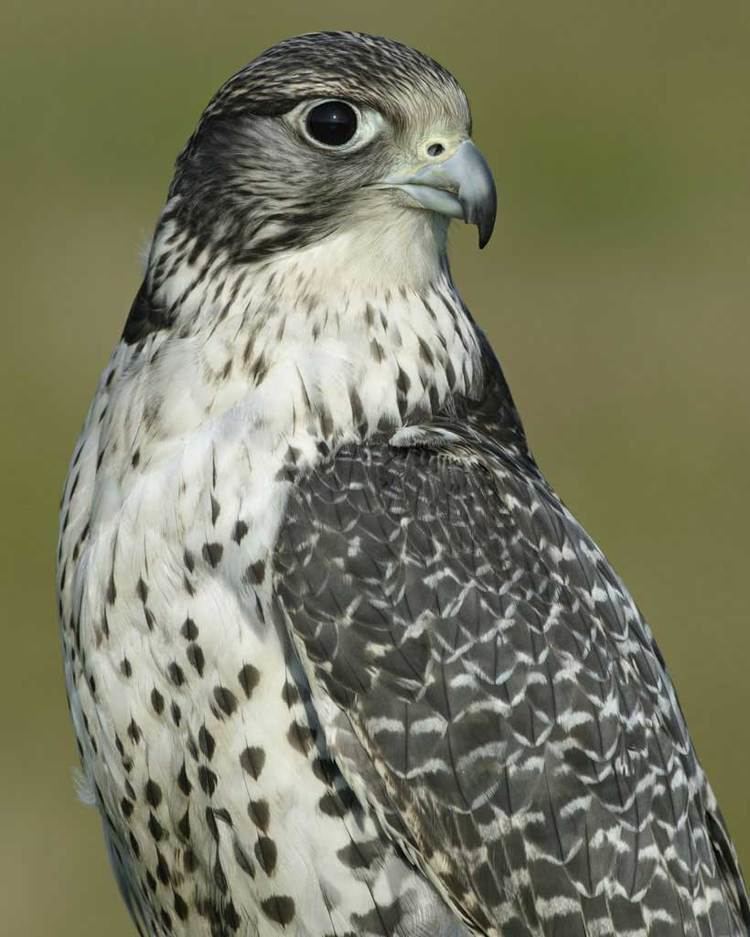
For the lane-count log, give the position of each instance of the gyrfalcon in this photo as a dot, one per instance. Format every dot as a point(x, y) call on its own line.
point(339, 661)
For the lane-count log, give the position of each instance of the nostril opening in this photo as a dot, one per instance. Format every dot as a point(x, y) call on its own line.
point(435, 149)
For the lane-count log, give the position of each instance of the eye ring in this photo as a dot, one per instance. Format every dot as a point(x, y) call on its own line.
point(369, 124)
point(332, 123)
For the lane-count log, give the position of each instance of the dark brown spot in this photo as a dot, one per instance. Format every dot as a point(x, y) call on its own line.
point(135, 848)
point(231, 917)
point(425, 353)
point(207, 780)
point(225, 700)
point(180, 907)
point(290, 693)
point(155, 828)
point(153, 793)
point(330, 805)
point(223, 815)
point(243, 860)
point(336, 804)
point(240, 529)
point(248, 349)
point(111, 589)
point(213, 828)
point(300, 737)
point(195, 656)
point(162, 869)
point(252, 760)
point(212, 553)
point(450, 374)
point(157, 701)
point(256, 572)
point(249, 678)
point(183, 825)
point(183, 782)
point(189, 630)
point(189, 860)
point(279, 908)
point(360, 855)
point(260, 813)
point(324, 769)
point(266, 854)
point(206, 742)
point(358, 411)
point(176, 674)
point(220, 878)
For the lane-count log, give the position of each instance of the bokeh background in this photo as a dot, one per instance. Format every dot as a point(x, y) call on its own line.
point(616, 290)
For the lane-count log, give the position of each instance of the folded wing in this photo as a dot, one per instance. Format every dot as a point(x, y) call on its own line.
point(488, 684)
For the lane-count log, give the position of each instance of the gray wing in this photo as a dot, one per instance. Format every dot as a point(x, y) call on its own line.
point(498, 698)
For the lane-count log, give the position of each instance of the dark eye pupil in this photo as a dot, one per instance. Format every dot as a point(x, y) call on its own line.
point(332, 122)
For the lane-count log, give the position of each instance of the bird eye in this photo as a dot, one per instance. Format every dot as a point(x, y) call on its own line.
point(332, 123)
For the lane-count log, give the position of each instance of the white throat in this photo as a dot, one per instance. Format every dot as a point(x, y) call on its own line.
point(330, 343)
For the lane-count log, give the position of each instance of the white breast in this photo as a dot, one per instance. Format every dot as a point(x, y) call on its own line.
point(192, 734)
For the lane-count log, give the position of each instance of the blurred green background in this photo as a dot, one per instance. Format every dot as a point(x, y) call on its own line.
point(616, 290)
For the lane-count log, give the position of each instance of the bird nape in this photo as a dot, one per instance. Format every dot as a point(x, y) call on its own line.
point(338, 659)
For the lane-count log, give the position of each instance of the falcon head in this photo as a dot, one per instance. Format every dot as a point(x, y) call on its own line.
point(331, 133)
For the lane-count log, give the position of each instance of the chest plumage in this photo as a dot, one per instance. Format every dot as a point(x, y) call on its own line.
point(222, 805)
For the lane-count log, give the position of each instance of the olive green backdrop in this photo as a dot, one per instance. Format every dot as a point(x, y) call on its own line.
point(616, 290)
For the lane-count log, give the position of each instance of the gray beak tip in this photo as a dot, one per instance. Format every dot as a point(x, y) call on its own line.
point(485, 228)
point(482, 215)
point(477, 193)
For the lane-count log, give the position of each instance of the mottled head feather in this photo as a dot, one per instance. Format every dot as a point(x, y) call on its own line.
point(248, 185)
point(371, 70)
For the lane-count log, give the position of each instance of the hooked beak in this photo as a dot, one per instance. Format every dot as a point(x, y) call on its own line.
point(460, 187)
